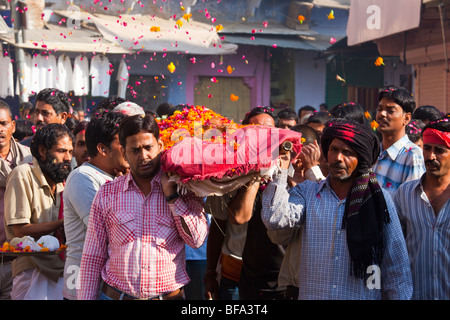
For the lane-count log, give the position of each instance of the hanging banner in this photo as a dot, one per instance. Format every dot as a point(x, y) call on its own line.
point(374, 19)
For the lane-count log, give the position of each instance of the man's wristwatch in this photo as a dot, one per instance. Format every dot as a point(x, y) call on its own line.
point(172, 196)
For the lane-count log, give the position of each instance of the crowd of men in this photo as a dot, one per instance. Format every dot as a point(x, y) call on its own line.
point(361, 213)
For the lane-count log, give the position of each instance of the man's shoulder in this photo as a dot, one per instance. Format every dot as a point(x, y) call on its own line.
point(407, 187)
point(115, 185)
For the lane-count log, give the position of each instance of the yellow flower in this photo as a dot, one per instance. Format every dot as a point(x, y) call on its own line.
point(171, 67)
point(331, 15)
point(155, 29)
point(301, 19)
point(179, 23)
point(234, 97)
point(367, 114)
point(219, 27)
point(379, 62)
point(187, 16)
point(374, 125)
point(230, 69)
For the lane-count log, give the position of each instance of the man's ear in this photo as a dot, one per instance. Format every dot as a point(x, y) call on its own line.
point(161, 145)
point(43, 152)
point(407, 118)
point(63, 116)
point(101, 148)
point(122, 149)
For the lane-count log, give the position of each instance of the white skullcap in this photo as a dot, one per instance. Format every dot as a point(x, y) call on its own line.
point(129, 108)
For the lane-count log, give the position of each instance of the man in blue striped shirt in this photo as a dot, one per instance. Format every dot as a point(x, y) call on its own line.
point(401, 160)
point(352, 242)
point(424, 207)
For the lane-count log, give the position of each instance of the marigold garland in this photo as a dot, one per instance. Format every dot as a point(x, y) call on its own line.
point(194, 122)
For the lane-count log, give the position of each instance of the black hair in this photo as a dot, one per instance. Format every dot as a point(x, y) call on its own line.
point(305, 108)
point(6, 107)
point(71, 123)
point(259, 110)
point(107, 104)
point(350, 111)
point(56, 98)
point(165, 109)
point(102, 129)
point(400, 96)
point(308, 133)
point(319, 117)
point(82, 125)
point(24, 129)
point(25, 105)
point(414, 129)
point(442, 124)
point(427, 113)
point(132, 125)
point(48, 136)
point(287, 114)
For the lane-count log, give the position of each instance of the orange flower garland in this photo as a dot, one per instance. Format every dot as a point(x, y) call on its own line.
point(193, 122)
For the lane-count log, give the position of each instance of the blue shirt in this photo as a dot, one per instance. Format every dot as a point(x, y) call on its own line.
point(427, 240)
point(401, 162)
point(325, 261)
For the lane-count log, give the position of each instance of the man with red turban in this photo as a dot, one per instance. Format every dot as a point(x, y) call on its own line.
point(424, 208)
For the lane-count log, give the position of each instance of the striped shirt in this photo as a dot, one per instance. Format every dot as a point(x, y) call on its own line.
point(401, 162)
point(324, 271)
point(428, 241)
point(136, 243)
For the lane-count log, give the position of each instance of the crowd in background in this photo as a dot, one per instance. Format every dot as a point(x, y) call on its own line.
point(360, 203)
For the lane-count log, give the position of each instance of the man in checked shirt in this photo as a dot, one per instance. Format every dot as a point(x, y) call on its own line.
point(139, 225)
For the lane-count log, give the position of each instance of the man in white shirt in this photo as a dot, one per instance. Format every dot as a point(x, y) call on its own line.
point(106, 162)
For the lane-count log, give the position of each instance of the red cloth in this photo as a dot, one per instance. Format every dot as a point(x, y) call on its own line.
point(257, 147)
point(435, 136)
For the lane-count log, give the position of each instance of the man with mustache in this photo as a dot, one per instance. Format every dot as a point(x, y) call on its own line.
point(11, 155)
point(400, 160)
point(80, 152)
point(105, 163)
point(424, 208)
point(139, 225)
point(34, 208)
point(52, 106)
point(352, 242)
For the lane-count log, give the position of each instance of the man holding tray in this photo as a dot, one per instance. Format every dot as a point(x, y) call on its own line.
point(34, 208)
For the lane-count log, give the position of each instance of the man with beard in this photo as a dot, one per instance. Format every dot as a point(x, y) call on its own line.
point(139, 225)
point(352, 242)
point(424, 208)
point(52, 106)
point(34, 208)
point(400, 160)
point(105, 163)
point(11, 155)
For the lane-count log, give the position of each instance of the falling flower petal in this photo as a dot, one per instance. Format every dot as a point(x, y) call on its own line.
point(234, 97)
point(230, 69)
point(379, 62)
point(331, 15)
point(374, 125)
point(339, 78)
point(332, 40)
point(171, 67)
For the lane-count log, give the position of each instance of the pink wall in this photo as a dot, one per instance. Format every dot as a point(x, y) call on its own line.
point(250, 62)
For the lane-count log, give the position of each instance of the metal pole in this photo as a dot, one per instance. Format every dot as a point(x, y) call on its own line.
point(441, 14)
point(20, 52)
